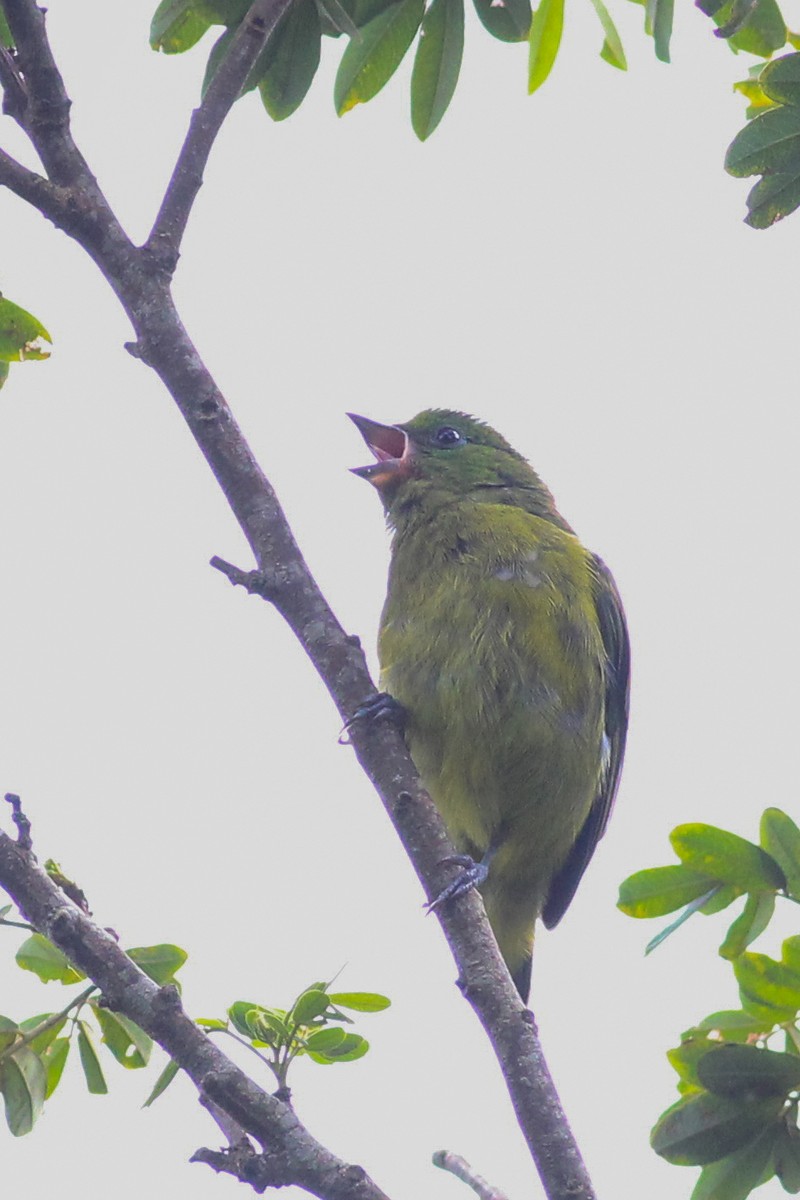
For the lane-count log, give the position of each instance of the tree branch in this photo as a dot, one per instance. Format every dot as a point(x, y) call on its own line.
point(283, 577)
point(246, 44)
point(286, 1143)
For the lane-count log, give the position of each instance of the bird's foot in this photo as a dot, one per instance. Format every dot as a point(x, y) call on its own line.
point(381, 706)
point(471, 875)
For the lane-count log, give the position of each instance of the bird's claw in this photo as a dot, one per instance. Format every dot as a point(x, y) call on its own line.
point(471, 875)
point(377, 707)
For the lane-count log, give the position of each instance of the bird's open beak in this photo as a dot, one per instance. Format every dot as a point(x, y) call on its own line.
point(391, 447)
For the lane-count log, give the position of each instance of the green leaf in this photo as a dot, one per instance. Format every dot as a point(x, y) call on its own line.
point(762, 32)
point(612, 50)
point(291, 60)
point(335, 19)
point(20, 334)
point(734, 1024)
point(9, 1032)
point(23, 1082)
point(177, 25)
point(436, 65)
point(239, 1013)
point(508, 22)
point(790, 953)
point(5, 33)
point(129, 1044)
point(771, 142)
point(211, 1023)
point(39, 955)
point(3, 372)
point(661, 890)
point(780, 837)
point(324, 1041)
point(767, 984)
point(39, 1044)
point(369, 64)
point(162, 1083)
point(310, 1004)
point(772, 198)
point(735, 1176)
point(752, 921)
point(721, 897)
point(54, 1060)
point(702, 1128)
point(658, 23)
point(159, 962)
point(93, 1072)
point(748, 1071)
point(544, 39)
point(787, 1158)
point(757, 102)
point(724, 855)
point(351, 1047)
point(360, 1001)
point(684, 1059)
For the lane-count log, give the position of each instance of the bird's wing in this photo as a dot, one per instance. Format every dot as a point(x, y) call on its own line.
point(614, 632)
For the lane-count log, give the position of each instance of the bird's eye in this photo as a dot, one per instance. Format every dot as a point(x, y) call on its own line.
point(449, 437)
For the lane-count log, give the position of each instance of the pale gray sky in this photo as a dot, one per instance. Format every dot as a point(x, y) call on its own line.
point(574, 269)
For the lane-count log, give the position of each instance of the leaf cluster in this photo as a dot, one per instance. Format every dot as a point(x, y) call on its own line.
point(738, 1112)
point(380, 33)
point(770, 145)
point(312, 1027)
point(34, 1052)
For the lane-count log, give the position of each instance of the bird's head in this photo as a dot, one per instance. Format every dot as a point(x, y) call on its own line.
point(442, 454)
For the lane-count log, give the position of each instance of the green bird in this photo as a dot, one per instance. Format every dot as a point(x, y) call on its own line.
point(504, 641)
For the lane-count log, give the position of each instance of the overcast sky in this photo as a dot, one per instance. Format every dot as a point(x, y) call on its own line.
point(571, 267)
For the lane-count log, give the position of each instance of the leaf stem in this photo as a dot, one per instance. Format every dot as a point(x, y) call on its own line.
point(77, 1002)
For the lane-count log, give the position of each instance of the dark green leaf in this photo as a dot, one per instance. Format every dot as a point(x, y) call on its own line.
point(54, 1060)
point(40, 1043)
point(661, 890)
point(752, 921)
point(20, 334)
point(360, 1001)
point(369, 64)
point(771, 142)
point(162, 1083)
point(735, 1176)
point(702, 1128)
point(780, 837)
point(291, 60)
point(5, 33)
point(748, 1072)
point(768, 985)
point(612, 50)
point(129, 1044)
point(309, 1005)
point(544, 39)
point(159, 962)
point(774, 197)
point(684, 1059)
point(39, 955)
point(724, 855)
point(23, 1082)
point(508, 22)
point(757, 102)
point(436, 65)
point(93, 1072)
point(787, 1158)
point(177, 25)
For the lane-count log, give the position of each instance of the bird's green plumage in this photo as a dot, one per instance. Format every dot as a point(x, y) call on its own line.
point(504, 640)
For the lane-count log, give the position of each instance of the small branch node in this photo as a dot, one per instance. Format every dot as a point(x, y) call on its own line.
point(167, 999)
point(256, 583)
point(459, 1167)
point(21, 821)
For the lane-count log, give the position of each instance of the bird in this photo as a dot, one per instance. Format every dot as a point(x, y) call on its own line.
point(504, 643)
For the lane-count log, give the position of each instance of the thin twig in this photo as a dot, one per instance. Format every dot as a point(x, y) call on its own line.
point(21, 821)
point(459, 1167)
point(52, 1020)
point(246, 44)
